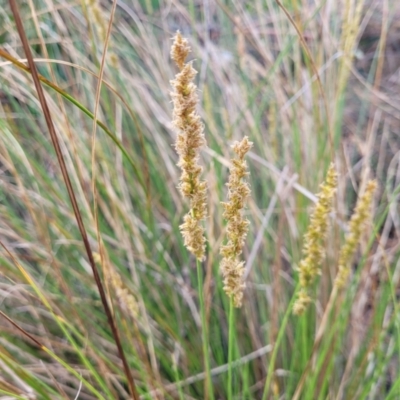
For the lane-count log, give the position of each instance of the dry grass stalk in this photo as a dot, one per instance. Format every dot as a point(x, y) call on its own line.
point(313, 250)
point(190, 139)
point(359, 217)
point(231, 267)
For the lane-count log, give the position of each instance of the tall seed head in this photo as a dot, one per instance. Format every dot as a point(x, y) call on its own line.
point(190, 138)
point(231, 267)
point(357, 221)
point(313, 250)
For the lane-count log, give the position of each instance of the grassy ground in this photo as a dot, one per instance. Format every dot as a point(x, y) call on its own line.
point(310, 83)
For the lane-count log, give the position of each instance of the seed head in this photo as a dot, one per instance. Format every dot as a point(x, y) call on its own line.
point(180, 50)
point(190, 138)
point(313, 250)
point(302, 302)
point(357, 221)
point(237, 227)
point(125, 298)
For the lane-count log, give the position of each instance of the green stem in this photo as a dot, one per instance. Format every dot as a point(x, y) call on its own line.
point(279, 338)
point(230, 347)
point(204, 332)
point(178, 381)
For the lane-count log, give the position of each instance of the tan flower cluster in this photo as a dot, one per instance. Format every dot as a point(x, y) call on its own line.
point(125, 298)
point(190, 139)
point(313, 250)
point(237, 227)
point(357, 220)
point(96, 14)
point(302, 302)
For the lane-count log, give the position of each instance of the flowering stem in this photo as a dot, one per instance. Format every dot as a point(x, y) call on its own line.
point(278, 341)
point(230, 346)
point(204, 333)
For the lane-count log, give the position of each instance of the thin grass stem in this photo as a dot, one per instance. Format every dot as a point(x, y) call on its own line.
point(277, 343)
point(13, 395)
point(204, 333)
point(231, 346)
point(178, 385)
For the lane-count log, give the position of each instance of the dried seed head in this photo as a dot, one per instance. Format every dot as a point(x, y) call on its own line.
point(313, 250)
point(237, 227)
point(193, 236)
point(97, 17)
point(357, 221)
point(190, 138)
point(180, 50)
point(125, 298)
point(302, 302)
point(234, 286)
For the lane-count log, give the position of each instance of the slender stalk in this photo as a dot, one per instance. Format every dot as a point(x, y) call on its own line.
point(279, 338)
point(231, 346)
point(177, 379)
point(204, 333)
point(318, 337)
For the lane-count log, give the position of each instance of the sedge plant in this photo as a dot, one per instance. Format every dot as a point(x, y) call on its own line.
point(310, 84)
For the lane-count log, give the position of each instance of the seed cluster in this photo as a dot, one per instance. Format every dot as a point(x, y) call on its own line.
point(190, 138)
point(237, 226)
point(313, 249)
point(356, 224)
